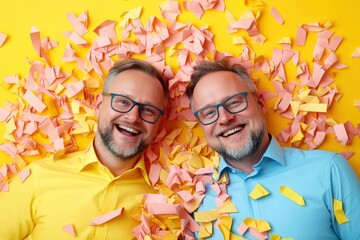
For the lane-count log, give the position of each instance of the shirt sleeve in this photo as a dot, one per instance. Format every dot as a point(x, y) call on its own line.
point(345, 187)
point(16, 209)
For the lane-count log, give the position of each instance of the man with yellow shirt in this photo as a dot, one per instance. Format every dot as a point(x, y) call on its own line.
point(91, 194)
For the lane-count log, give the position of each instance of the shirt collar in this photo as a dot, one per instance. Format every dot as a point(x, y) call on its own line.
point(273, 152)
point(89, 157)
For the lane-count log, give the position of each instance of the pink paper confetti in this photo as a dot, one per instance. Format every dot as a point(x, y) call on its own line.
point(106, 217)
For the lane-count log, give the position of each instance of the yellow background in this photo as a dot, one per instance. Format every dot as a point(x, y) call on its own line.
point(18, 16)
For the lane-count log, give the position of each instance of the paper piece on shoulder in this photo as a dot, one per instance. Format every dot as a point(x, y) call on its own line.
point(339, 212)
point(3, 37)
point(106, 217)
point(69, 229)
point(258, 192)
point(292, 195)
point(277, 15)
point(23, 175)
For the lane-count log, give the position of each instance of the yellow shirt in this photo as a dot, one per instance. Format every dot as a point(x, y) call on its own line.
point(72, 190)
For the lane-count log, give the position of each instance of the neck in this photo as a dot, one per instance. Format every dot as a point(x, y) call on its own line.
point(246, 164)
point(115, 164)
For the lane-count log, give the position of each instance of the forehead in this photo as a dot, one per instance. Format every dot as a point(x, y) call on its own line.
point(216, 87)
point(138, 85)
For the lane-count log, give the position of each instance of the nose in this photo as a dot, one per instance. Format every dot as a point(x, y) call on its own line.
point(224, 116)
point(133, 115)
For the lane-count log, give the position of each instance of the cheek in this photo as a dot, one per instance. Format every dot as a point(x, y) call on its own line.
point(208, 131)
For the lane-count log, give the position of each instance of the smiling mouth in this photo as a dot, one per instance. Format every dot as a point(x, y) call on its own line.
point(127, 130)
point(232, 131)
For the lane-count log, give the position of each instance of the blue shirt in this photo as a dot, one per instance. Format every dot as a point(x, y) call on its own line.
point(318, 176)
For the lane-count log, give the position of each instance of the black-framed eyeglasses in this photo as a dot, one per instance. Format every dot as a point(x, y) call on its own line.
point(123, 104)
point(233, 104)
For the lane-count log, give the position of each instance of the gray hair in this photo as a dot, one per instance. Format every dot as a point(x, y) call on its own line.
point(207, 67)
point(135, 64)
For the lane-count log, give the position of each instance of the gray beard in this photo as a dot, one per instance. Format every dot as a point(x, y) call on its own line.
point(245, 151)
point(127, 154)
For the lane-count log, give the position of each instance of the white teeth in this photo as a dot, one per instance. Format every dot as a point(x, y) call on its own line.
point(129, 129)
point(225, 134)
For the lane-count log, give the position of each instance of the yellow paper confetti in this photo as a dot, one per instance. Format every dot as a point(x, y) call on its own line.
point(206, 216)
point(225, 227)
point(339, 212)
point(258, 192)
point(206, 230)
point(260, 225)
point(292, 195)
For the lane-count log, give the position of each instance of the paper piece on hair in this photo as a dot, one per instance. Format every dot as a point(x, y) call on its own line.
point(3, 37)
point(292, 195)
point(258, 192)
point(277, 15)
point(23, 175)
point(105, 217)
point(69, 229)
point(339, 212)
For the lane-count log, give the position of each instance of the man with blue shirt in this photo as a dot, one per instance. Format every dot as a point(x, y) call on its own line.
point(278, 192)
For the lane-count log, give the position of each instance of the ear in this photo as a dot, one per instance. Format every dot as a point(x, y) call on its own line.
point(260, 99)
point(98, 103)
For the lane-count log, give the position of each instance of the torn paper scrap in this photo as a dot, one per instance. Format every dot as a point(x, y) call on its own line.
point(258, 192)
point(339, 212)
point(23, 175)
point(69, 229)
point(3, 37)
point(106, 217)
point(292, 195)
point(356, 53)
point(277, 15)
